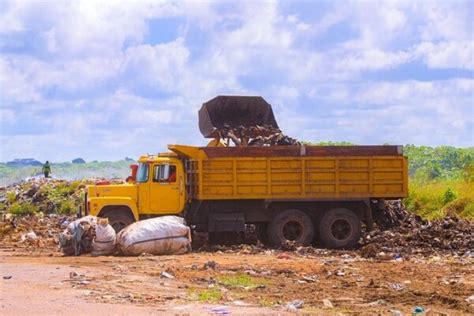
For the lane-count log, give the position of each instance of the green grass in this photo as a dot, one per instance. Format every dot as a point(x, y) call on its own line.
point(238, 280)
point(25, 208)
point(239, 285)
point(212, 295)
point(436, 199)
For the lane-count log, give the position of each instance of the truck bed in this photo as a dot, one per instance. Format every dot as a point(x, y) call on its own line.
point(294, 172)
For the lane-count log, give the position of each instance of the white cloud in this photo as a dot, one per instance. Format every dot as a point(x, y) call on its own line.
point(7, 116)
point(371, 60)
point(159, 66)
point(454, 54)
point(445, 20)
point(15, 85)
point(428, 113)
point(84, 72)
point(150, 118)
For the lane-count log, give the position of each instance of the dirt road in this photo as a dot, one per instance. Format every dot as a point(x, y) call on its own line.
point(233, 281)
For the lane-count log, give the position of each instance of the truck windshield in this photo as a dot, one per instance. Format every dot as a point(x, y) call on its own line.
point(142, 173)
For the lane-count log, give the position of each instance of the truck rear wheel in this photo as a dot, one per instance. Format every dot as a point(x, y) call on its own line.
point(291, 225)
point(339, 229)
point(118, 219)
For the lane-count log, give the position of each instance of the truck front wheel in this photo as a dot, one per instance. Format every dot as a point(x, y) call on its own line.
point(291, 225)
point(118, 219)
point(339, 229)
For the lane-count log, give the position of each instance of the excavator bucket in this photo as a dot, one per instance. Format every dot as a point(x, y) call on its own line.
point(234, 112)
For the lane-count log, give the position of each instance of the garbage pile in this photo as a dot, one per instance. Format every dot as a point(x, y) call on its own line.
point(32, 231)
point(45, 195)
point(400, 233)
point(164, 235)
point(256, 135)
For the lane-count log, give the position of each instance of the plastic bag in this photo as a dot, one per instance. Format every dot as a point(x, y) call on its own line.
point(158, 236)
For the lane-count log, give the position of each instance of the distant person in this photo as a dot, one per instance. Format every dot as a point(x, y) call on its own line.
point(46, 169)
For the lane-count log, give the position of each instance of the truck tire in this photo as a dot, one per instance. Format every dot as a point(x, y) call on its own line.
point(339, 228)
point(261, 230)
point(291, 225)
point(118, 219)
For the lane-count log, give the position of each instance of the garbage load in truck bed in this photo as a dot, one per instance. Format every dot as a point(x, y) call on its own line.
point(294, 172)
point(233, 112)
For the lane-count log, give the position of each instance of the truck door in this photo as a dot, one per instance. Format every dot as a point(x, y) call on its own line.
point(165, 189)
point(143, 174)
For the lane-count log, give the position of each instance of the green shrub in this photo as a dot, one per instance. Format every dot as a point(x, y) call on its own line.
point(449, 196)
point(66, 189)
point(66, 207)
point(11, 197)
point(25, 208)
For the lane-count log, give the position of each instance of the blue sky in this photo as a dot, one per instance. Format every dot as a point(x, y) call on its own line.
point(104, 80)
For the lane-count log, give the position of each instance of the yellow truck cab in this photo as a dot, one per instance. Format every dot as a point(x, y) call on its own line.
point(158, 189)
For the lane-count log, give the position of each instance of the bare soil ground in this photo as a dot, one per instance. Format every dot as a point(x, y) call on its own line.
point(239, 281)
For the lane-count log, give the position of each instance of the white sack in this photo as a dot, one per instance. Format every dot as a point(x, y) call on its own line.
point(164, 235)
point(104, 241)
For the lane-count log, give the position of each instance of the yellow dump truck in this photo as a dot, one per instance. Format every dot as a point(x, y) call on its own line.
point(293, 192)
point(299, 193)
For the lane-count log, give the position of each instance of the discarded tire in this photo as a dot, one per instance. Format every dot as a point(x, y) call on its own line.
point(339, 229)
point(291, 225)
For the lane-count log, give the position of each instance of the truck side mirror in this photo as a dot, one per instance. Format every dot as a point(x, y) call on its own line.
point(133, 176)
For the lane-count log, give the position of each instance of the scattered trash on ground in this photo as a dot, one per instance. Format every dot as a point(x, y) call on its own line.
point(327, 303)
point(220, 310)
point(295, 305)
point(166, 275)
point(418, 310)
